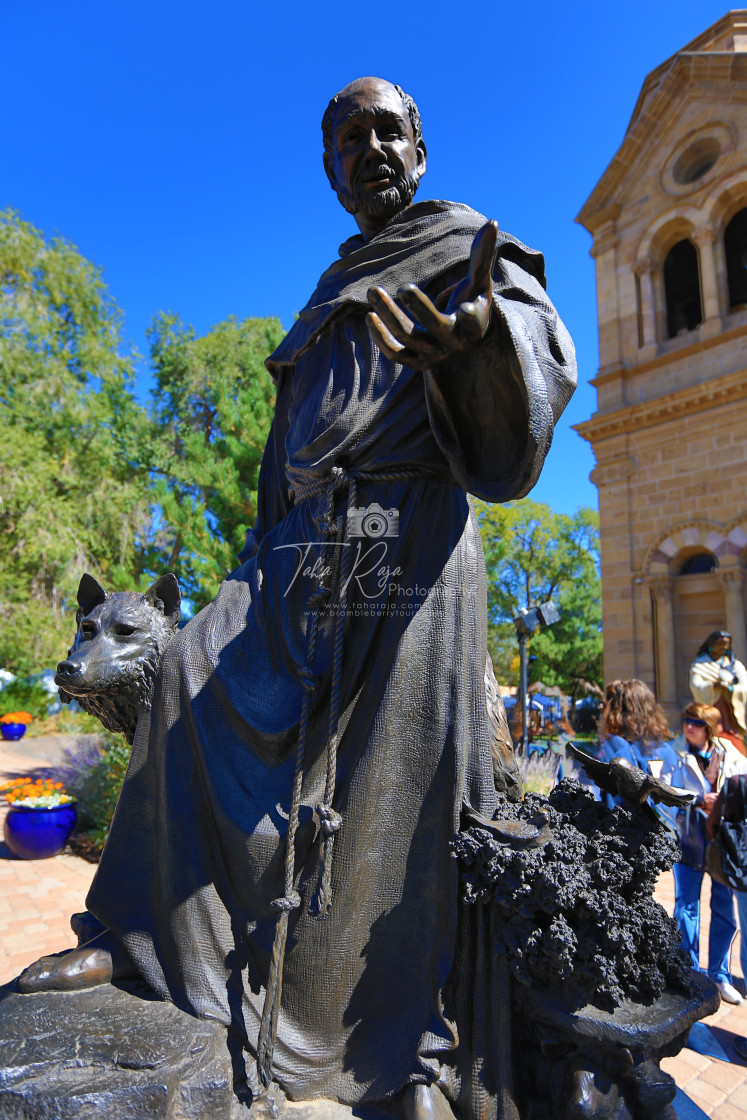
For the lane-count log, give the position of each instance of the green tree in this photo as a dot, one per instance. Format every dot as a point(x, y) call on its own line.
point(74, 492)
point(213, 406)
point(533, 554)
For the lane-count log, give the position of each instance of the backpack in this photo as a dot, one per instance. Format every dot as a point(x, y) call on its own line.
point(726, 854)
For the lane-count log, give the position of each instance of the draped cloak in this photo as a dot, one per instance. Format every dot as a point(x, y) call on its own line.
point(393, 987)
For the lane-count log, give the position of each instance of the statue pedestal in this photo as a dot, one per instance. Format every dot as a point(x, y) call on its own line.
point(118, 1053)
point(110, 1053)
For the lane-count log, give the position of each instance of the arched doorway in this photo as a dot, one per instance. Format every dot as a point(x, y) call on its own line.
point(698, 608)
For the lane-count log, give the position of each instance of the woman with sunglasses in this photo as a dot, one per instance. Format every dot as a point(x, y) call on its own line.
point(704, 763)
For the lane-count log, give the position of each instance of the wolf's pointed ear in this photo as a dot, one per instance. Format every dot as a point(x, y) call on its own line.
point(166, 597)
point(90, 595)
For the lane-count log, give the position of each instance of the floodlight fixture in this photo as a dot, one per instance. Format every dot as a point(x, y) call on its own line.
point(528, 622)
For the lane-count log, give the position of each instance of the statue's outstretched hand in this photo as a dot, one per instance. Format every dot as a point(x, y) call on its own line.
point(419, 332)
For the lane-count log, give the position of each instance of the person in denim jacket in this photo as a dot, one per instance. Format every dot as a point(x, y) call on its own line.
point(702, 764)
point(634, 727)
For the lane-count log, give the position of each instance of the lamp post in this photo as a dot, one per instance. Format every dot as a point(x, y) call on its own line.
point(528, 622)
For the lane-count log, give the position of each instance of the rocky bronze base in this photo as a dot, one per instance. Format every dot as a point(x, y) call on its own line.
point(118, 1053)
point(110, 1054)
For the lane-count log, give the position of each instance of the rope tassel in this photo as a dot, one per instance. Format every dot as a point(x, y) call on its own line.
point(330, 826)
point(330, 820)
point(268, 1031)
point(291, 899)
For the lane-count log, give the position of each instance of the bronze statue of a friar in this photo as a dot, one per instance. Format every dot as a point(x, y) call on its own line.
point(279, 858)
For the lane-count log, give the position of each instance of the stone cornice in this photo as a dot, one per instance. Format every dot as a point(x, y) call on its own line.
point(604, 228)
point(701, 44)
point(655, 101)
point(667, 357)
point(707, 394)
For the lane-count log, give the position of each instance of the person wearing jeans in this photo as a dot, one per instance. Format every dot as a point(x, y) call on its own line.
point(734, 811)
point(740, 1044)
point(703, 763)
point(688, 882)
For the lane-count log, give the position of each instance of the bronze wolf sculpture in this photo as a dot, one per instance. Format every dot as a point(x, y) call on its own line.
point(118, 645)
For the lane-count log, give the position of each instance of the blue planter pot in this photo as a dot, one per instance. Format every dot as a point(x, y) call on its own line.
point(39, 833)
point(12, 731)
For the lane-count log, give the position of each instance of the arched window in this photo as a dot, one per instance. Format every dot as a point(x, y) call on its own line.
point(735, 246)
point(698, 564)
point(682, 287)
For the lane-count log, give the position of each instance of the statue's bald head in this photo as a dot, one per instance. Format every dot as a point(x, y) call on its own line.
point(374, 154)
point(360, 85)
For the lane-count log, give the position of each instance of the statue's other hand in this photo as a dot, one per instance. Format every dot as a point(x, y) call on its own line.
point(421, 333)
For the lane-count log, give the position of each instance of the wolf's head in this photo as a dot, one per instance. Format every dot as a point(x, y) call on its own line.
point(118, 645)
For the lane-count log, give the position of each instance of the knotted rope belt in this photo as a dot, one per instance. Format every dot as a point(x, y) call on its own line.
point(335, 530)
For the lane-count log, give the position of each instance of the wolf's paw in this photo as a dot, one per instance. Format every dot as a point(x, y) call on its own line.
point(67, 972)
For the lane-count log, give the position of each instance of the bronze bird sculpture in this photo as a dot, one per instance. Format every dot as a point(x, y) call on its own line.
point(514, 834)
point(621, 778)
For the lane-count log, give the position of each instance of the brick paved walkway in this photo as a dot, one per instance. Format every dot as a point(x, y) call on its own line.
point(718, 1088)
point(38, 897)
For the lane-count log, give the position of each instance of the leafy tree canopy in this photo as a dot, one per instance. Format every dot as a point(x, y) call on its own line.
point(533, 554)
point(92, 481)
point(212, 409)
point(73, 493)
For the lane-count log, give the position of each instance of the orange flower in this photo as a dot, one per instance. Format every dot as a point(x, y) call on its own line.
point(34, 790)
point(16, 717)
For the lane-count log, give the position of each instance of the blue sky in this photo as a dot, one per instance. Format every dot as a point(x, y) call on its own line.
point(178, 144)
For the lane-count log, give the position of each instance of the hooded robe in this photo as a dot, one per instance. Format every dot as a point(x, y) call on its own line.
point(392, 987)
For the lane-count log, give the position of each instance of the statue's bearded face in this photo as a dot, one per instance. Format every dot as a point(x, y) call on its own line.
point(375, 165)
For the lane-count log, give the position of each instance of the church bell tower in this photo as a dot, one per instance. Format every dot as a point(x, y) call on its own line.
point(668, 220)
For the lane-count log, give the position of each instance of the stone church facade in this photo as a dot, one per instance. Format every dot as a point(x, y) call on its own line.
point(669, 225)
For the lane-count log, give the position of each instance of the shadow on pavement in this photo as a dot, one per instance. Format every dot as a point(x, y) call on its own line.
point(687, 1109)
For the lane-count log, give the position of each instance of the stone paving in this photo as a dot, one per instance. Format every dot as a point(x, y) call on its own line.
point(38, 897)
point(718, 1088)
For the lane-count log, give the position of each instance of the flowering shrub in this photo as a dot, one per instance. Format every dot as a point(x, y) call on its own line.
point(43, 793)
point(16, 717)
point(94, 772)
point(539, 774)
